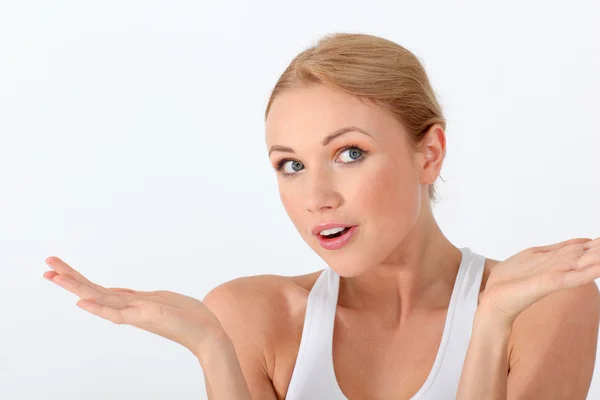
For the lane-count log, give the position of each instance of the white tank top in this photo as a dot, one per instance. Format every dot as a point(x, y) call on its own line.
point(314, 378)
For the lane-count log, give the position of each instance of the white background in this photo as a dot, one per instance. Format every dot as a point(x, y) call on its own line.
point(132, 146)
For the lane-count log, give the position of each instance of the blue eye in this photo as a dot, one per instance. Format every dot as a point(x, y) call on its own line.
point(352, 152)
point(295, 165)
point(355, 153)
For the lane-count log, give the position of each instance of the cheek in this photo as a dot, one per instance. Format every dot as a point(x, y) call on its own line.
point(389, 198)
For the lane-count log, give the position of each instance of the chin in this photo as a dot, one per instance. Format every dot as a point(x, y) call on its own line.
point(346, 272)
point(349, 266)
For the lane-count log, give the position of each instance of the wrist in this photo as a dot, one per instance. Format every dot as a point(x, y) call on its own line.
point(490, 319)
point(222, 370)
point(214, 347)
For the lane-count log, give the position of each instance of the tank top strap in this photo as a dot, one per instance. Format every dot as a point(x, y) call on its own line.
point(313, 371)
point(446, 372)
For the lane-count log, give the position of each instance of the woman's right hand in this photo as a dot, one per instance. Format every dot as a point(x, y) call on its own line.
point(179, 318)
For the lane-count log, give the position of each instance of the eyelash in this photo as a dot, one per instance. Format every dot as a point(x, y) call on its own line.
point(280, 163)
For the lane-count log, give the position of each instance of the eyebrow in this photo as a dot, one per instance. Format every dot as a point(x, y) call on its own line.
point(324, 142)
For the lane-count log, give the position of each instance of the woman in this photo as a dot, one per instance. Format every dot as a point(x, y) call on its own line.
point(356, 135)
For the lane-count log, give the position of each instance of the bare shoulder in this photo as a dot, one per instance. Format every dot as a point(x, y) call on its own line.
point(554, 345)
point(259, 296)
point(259, 312)
point(244, 294)
point(560, 320)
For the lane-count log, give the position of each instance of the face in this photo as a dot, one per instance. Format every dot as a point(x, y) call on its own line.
point(373, 181)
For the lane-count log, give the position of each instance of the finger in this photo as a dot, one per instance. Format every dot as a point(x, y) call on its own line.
point(580, 277)
point(161, 296)
point(118, 289)
point(593, 244)
point(130, 315)
point(161, 293)
point(85, 292)
point(140, 294)
point(76, 287)
point(63, 268)
point(50, 275)
point(589, 258)
point(556, 246)
point(103, 311)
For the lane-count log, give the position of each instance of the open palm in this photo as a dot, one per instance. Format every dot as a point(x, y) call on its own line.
point(180, 318)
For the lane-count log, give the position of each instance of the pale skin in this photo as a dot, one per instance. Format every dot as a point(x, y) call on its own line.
point(536, 326)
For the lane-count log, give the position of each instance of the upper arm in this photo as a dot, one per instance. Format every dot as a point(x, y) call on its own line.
point(555, 344)
point(239, 306)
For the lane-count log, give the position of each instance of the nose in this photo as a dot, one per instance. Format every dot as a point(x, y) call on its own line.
point(320, 193)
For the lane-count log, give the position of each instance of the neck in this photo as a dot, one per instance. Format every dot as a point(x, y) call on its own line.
point(418, 276)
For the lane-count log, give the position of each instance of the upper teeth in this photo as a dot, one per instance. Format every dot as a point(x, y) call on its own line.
point(331, 231)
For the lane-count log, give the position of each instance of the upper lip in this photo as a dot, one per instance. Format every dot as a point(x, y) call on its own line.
point(328, 225)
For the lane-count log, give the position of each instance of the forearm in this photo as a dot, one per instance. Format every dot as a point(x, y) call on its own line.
point(485, 370)
point(222, 371)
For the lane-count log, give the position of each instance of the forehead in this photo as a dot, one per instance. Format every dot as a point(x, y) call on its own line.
point(316, 111)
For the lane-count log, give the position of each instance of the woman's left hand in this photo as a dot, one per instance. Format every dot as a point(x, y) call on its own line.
point(525, 278)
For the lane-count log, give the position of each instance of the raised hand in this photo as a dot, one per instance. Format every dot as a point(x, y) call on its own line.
point(180, 318)
point(528, 276)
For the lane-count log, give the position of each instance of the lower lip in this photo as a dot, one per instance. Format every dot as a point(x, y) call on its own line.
point(338, 242)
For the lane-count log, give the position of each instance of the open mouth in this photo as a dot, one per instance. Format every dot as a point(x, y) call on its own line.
point(337, 234)
point(337, 238)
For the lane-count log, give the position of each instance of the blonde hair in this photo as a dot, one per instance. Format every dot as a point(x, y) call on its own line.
point(372, 69)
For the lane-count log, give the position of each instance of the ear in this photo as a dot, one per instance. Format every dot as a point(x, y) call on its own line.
point(431, 153)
